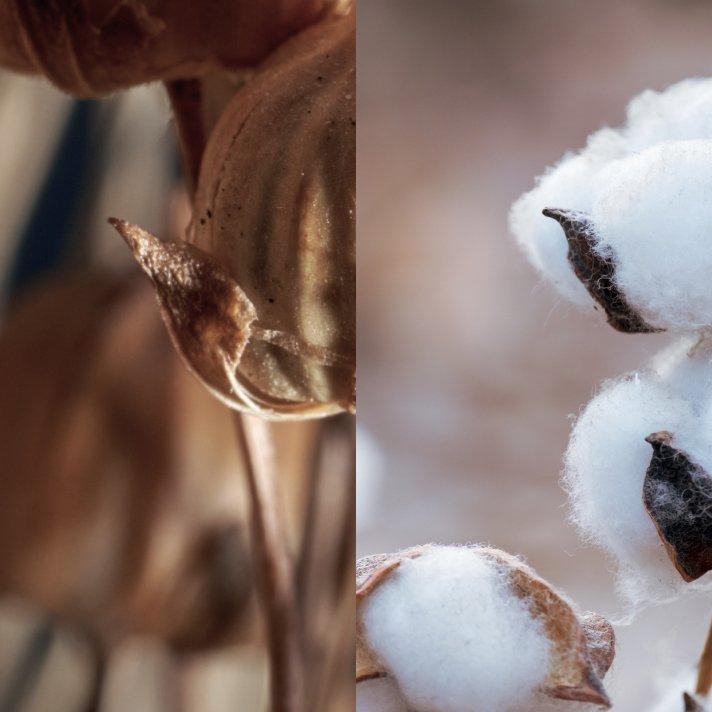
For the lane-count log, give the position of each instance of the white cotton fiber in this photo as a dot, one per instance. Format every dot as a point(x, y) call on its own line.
point(454, 635)
point(380, 695)
point(608, 457)
point(654, 210)
point(646, 186)
point(671, 691)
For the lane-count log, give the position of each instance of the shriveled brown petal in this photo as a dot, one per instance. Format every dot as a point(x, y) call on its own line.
point(597, 272)
point(677, 494)
point(582, 648)
point(212, 321)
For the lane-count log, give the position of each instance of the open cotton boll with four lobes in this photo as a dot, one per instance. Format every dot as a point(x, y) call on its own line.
point(91, 47)
point(463, 629)
point(636, 473)
point(634, 212)
point(260, 299)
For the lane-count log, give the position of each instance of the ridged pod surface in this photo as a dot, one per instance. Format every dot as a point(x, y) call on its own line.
point(91, 47)
point(276, 207)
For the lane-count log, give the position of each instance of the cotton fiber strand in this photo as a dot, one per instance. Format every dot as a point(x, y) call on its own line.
point(646, 186)
point(608, 457)
point(451, 631)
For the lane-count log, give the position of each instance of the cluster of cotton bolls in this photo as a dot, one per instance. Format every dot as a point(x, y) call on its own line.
point(454, 636)
point(645, 189)
point(608, 458)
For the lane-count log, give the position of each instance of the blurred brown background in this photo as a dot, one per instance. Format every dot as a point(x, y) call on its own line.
point(469, 368)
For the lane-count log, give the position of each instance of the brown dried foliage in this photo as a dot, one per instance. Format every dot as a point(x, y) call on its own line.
point(597, 272)
point(261, 303)
point(683, 522)
point(91, 47)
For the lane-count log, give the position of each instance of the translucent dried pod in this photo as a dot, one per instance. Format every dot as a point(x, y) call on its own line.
point(260, 299)
point(580, 647)
point(91, 47)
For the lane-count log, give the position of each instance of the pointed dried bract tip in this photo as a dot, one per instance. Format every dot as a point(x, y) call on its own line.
point(579, 649)
point(212, 322)
point(676, 494)
point(597, 272)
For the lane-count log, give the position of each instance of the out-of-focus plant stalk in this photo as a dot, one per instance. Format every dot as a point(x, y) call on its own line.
point(274, 565)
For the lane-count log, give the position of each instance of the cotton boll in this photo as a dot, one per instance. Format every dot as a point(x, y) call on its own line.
point(653, 211)
point(683, 112)
point(608, 457)
point(380, 695)
point(452, 632)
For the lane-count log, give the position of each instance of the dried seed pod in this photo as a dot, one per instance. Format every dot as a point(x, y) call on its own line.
point(580, 648)
point(91, 47)
point(261, 300)
point(677, 493)
point(596, 271)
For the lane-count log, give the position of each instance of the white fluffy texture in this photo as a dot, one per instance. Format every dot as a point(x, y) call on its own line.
point(646, 185)
point(671, 692)
point(455, 636)
point(608, 457)
point(381, 695)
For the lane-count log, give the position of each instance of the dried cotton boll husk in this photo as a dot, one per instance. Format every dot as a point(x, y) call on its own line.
point(91, 47)
point(454, 625)
point(261, 300)
point(576, 182)
point(609, 456)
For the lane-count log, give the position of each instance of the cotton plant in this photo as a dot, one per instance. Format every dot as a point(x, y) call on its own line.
point(471, 628)
point(625, 225)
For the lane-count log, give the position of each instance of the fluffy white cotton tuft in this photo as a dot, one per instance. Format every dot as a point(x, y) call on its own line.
point(451, 631)
point(607, 459)
point(645, 185)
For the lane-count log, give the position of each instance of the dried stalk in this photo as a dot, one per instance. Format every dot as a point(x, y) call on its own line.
point(704, 672)
point(277, 581)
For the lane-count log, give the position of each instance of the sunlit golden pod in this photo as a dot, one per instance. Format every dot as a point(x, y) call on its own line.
point(91, 47)
point(260, 298)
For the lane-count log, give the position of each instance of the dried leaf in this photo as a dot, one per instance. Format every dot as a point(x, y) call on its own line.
point(597, 272)
point(211, 321)
point(677, 494)
point(582, 648)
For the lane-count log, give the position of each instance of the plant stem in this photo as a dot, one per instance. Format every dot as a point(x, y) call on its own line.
point(704, 672)
point(277, 581)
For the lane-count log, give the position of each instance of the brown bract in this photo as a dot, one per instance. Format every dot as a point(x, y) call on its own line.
point(676, 494)
point(583, 647)
point(692, 704)
point(91, 47)
point(597, 271)
point(261, 303)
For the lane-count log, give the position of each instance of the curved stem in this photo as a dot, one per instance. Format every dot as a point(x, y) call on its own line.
point(704, 672)
point(277, 582)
